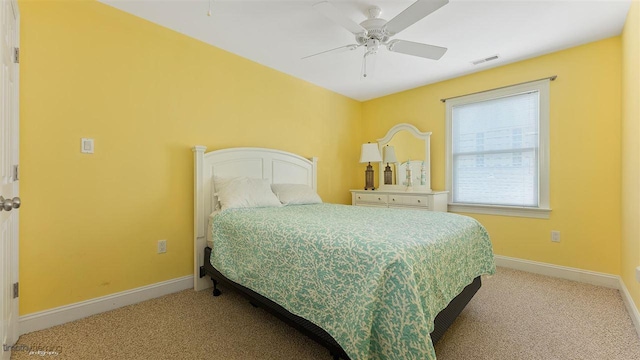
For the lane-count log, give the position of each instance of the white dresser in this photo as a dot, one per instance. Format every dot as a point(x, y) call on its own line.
point(431, 201)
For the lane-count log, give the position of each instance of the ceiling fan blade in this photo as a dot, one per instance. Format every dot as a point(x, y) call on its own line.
point(335, 51)
point(332, 13)
point(416, 49)
point(412, 14)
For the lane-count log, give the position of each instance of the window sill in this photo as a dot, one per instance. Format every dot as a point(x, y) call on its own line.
point(538, 213)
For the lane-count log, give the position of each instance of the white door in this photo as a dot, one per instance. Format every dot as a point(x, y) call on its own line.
point(9, 186)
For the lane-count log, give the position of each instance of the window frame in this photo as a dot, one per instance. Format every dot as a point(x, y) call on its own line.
point(542, 210)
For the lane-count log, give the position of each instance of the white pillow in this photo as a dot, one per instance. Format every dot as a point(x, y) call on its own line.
point(243, 192)
point(295, 194)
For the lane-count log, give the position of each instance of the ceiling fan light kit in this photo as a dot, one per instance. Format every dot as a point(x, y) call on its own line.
point(375, 31)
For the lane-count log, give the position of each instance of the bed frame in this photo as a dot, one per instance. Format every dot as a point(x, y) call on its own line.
point(279, 167)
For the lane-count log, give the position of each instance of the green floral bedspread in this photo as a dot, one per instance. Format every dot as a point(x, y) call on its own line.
point(373, 278)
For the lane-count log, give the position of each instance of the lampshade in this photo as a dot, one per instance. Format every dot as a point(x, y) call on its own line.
point(389, 154)
point(370, 153)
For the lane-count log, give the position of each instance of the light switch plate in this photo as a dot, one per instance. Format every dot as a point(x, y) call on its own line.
point(86, 146)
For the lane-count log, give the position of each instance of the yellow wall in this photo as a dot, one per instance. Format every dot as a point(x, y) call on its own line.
point(146, 94)
point(584, 152)
point(630, 253)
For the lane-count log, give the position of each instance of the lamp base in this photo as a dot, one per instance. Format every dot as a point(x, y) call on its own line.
point(388, 175)
point(368, 176)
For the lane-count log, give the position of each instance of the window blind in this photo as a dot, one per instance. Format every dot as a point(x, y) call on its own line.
point(495, 150)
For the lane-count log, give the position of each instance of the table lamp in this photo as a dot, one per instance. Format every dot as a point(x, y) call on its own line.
point(389, 157)
point(370, 152)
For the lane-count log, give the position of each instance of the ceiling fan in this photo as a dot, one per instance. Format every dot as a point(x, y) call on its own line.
point(375, 31)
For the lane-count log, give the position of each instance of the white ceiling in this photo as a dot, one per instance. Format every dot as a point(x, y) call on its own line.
point(278, 34)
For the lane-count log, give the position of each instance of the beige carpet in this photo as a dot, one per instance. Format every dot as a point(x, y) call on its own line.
point(515, 315)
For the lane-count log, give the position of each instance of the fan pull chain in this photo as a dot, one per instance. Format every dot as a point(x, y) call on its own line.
point(372, 64)
point(364, 65)
point(210, 3)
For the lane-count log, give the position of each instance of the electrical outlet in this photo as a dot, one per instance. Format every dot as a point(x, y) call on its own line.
point(555, 236)
point(162, 246)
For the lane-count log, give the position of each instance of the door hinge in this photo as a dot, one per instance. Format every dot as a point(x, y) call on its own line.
point(16, 55)
point(16, 169)
point(16, 290)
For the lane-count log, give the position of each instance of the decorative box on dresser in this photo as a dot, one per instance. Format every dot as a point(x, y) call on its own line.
point(417, 200)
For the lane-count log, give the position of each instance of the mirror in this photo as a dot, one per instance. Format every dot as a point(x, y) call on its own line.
point(411, 170)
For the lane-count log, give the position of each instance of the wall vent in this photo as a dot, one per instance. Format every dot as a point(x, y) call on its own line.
point(490, 58)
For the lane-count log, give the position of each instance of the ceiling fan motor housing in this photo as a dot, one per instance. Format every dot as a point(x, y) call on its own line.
point(375, 30)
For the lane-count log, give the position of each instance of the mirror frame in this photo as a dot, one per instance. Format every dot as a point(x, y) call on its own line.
point(426, 136)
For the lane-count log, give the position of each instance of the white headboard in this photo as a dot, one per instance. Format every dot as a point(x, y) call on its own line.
point(279, 167)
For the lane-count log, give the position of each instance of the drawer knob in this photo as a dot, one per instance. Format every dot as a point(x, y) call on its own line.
point(359, 198)
point(379, 199)
point(418, 201)
point(393, 199)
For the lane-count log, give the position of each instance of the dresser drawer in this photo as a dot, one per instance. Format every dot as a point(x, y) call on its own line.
point(409, 200)
point(371, 198)
point(414, 200)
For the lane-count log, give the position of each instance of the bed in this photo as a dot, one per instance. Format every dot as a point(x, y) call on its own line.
point(375, 284)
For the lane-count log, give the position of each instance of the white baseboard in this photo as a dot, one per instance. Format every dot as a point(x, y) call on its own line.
point(630, 305)
point(562, 272)
point(63, 314)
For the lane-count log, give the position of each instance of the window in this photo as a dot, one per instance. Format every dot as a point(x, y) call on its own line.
point(497, 151)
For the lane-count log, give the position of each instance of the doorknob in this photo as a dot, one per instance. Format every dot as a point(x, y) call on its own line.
point(9, 204)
